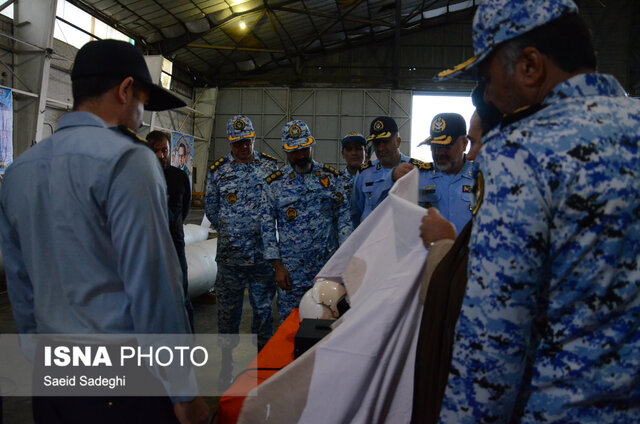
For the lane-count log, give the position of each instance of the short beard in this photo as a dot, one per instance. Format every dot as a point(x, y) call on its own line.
point(302, 166)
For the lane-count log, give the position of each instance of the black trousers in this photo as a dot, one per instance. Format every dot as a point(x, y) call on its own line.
point(182, 257)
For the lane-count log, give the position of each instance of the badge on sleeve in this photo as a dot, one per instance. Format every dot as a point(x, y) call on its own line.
point(291, 214)
point(231, 198)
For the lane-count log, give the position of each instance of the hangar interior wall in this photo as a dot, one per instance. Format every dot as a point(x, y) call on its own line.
point(330, 114)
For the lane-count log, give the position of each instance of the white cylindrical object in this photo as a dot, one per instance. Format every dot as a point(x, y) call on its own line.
point(194, 234)
point(202, 266)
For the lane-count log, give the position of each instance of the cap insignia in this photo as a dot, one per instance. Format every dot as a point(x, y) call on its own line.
point(295, 131)
point(239, 124)
point(438, 125)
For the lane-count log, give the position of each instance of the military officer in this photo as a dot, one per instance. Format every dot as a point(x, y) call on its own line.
point(232, 198)
point(353, 152)
point(306, 200)
point(449, 187)
point(376, 178)
point(548, 329)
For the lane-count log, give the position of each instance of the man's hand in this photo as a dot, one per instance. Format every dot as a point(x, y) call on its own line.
point(194, 412)
point(401, 170)
point(434, 227)
point(282, 275)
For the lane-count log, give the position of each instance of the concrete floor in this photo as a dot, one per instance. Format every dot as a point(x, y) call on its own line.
point(17, 410)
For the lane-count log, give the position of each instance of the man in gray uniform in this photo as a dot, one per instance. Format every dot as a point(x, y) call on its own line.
point(83, 220)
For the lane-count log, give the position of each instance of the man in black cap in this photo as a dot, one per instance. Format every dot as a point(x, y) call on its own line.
point(179, 201)
point(83, 223)
point(376, 178)
point(449, 188)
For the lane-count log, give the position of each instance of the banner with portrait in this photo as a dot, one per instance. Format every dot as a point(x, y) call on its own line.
point(182, 153)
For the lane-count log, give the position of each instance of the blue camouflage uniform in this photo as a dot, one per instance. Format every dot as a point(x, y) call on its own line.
point(348, 182)
point(449, 193)
point(549, 324)
point(312, 218)
point(232, 201)
point(373, 182)
point(549, 327)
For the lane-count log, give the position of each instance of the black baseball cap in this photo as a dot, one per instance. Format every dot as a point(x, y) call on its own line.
point(382, 127)
point(115, 58)
point(445, 129)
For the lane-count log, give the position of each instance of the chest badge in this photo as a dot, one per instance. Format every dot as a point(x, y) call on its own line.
point(324, 181)
point(231, 198)
point(430, 189)
point(291, 214)
point(466, 189)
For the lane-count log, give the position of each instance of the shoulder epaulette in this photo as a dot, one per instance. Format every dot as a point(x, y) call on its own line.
point(132, 135)
point(519, 114)
point(274, 177)
point(330, 169)
point(426, 166)
point(365, 165)
point(218, 163)
point(266, 156)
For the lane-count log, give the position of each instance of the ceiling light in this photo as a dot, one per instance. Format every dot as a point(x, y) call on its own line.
point(242, 25)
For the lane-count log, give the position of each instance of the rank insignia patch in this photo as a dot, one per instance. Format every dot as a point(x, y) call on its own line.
point(324, 181)
point(430, 189)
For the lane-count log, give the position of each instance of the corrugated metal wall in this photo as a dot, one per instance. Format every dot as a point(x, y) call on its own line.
point(330, 113)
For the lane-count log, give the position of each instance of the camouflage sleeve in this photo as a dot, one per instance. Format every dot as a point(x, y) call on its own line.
point(342, 211)
point(494, 337)
point(356, 203)
point(268, 223)
point(272, 167)
point(212, 200)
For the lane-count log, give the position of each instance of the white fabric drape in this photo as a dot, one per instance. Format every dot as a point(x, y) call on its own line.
point(362, 372)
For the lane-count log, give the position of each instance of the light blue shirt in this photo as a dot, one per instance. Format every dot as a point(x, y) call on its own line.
point(371, 187)
point(85, 240)
point(449, 193)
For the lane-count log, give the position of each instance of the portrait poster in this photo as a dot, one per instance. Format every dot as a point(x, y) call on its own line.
point(182, 153)
point(6, 129)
